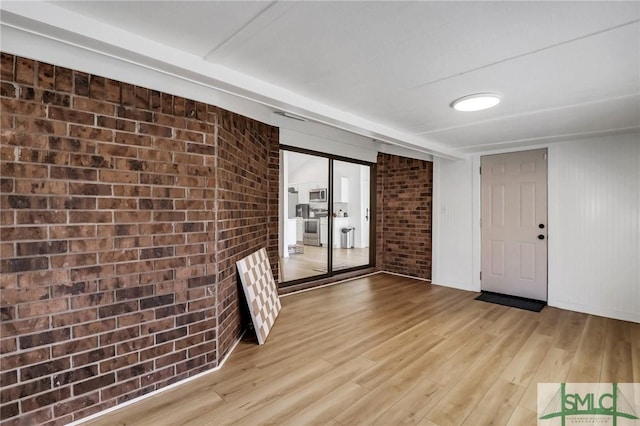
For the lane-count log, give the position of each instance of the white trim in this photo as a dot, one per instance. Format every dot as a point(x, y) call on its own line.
point(476, 184)
point(405, 276)
point(457, 288)
point(435, 218)
point(351, 279)
point(158, 391)
point(506, 150)
point(456, 285)
point(596, 310)
point(477, 209)
point(304, 290)
point(528, 143)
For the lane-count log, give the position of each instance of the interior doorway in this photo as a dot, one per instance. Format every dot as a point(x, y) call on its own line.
point(514, 223)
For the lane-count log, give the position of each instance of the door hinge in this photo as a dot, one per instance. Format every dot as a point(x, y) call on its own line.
point(545, 155)
point(480, 170)
point(480, 275)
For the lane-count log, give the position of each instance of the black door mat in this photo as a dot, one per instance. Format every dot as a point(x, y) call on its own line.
point(512, 301)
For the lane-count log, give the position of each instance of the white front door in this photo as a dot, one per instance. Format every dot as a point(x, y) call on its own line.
point(514, 223)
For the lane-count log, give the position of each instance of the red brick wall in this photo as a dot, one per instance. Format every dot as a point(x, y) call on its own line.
point(245, 208)
point(122, 212)
point(404, 197)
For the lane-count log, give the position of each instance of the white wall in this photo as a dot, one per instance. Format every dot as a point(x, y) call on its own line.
point(330, 141)
point(352, 173)
point(404, 152)
point(594, 225)
point(364, 195)
point(452, 239)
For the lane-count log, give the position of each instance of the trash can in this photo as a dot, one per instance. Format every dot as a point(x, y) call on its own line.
point(346, 239)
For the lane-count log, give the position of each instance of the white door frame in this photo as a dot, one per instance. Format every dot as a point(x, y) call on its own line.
point(476, 184)
point(469, 277)
point(513, 234)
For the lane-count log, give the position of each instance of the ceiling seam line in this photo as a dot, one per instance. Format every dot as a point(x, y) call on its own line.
point(241, 29)
point(542, 139)
point(269, 102)
point(524, 114)
point(635, 21)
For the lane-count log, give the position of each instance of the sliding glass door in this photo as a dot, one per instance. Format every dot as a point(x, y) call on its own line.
point(351, 186)
point(324, 205)
point(304, 216)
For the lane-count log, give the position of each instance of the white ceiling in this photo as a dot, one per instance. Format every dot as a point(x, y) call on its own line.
point(564, 69)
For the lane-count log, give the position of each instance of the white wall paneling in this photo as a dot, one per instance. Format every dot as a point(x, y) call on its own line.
point(593, 232)
point(453, 224)
point(594, 226)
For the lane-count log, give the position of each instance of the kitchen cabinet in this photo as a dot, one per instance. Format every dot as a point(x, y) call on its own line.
point(303, 193)
point(342, 191)
point(324, 231)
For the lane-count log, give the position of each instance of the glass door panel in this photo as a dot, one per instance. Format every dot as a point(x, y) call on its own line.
point(304, 183)
point(351, 214)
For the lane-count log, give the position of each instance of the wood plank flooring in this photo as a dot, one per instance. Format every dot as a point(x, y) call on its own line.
point(387, 350)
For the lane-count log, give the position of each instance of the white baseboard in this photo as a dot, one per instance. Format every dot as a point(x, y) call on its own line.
point(595, 310)
point(405, 276)
point(458, 286)
point(158, 391)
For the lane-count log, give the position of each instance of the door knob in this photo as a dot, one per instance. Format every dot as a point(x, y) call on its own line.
point(541, 237)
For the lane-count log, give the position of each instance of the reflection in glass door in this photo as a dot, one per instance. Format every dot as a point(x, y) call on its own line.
point(350, 217)
point(304, 220)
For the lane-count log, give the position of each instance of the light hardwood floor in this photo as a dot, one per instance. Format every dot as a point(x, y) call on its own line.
point(388, 350)
point(314, 261)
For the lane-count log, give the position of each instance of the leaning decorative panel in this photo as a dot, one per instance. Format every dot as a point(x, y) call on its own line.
point(261, 292)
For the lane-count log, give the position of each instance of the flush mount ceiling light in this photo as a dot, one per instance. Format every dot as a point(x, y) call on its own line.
point(476, 102)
